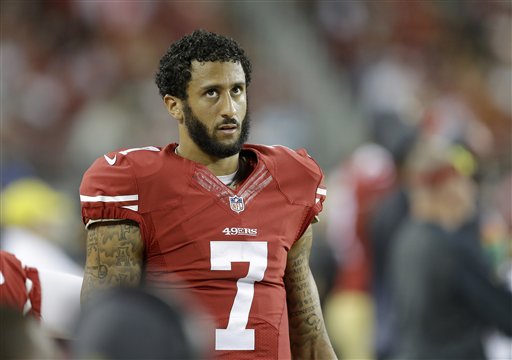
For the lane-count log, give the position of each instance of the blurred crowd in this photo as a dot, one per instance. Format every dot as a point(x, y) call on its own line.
point(430, 81)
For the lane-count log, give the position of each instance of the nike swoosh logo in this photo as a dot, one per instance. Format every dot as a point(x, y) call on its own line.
point(109, 160)
point(2, 278)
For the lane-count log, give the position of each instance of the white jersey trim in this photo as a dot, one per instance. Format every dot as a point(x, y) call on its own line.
point(131, 207)
point(321, 191)
point(28, 304)
point(102, 198)
point(150, 148)
point(93, 221)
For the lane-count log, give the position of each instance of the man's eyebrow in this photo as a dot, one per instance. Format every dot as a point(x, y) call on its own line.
point(217, 86)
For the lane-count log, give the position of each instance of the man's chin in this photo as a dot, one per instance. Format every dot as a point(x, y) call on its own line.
point(227, 150)
point(230, 152)
point(227, 143)
point(227, 139)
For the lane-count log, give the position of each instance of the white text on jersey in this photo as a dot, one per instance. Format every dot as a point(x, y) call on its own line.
point(240, 231)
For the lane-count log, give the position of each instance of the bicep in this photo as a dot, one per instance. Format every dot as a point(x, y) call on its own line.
point(114, 256)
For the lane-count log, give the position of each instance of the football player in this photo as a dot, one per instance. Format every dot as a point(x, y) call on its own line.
point(226, 221)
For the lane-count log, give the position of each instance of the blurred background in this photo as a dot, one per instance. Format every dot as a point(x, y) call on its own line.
point(354, 82)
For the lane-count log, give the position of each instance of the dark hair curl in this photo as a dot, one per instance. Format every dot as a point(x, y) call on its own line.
point(174, 73)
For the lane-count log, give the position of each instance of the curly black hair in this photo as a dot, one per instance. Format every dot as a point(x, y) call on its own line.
point(174, 73)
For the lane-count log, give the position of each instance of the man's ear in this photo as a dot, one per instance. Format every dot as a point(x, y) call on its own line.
point(174, 107)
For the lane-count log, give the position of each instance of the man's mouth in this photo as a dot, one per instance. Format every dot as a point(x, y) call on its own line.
point(228, 128)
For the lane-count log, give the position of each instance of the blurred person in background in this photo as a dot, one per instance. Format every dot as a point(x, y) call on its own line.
point(444, 295)
point(497, 241)
point(21, 337)
point(49, 297)
point(194, 210)
point(355, 188)
point(136, 323)
point(397, 136)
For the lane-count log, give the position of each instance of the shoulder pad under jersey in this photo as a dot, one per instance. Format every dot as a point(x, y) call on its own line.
point(109, 188)
point(298, 175)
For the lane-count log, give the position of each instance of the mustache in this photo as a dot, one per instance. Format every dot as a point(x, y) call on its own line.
point(230, 121)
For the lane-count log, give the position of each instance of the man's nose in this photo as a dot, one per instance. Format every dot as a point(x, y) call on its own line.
point(228, 107)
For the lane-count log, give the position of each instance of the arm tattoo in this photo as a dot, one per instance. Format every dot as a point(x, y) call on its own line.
point(114, 257)
point(308, 337)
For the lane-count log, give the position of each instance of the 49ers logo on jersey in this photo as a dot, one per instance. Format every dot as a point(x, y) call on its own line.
point(240, 231)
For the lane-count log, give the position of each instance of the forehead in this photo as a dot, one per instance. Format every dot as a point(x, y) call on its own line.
point(216, 73)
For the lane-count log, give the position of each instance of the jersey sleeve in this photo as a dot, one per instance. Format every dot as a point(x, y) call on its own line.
point(314, 188)
point(110, 192)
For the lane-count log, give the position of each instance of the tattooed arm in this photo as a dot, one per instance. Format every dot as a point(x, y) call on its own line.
point(114, 257)
point(308, 337)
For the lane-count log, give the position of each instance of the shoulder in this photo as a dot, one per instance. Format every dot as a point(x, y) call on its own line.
point(112, 186)
point(122, 159)
point(282, 160)
point(122, 167)
point(297, 174)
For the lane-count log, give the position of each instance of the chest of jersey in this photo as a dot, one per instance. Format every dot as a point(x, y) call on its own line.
point(229, 248)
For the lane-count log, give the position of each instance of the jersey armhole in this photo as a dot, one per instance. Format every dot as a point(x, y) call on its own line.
point(96, 221)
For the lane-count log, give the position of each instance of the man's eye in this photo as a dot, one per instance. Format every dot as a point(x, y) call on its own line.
point(237, 90)
point(211, 93)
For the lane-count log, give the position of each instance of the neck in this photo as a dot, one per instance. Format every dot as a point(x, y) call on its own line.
point(218, 166)
point(224, 166)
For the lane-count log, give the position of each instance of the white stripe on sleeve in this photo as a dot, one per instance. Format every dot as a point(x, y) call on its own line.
point(102, 198)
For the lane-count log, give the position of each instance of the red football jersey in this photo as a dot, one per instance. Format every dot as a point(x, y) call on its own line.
point(20, 287)
point(228, 247)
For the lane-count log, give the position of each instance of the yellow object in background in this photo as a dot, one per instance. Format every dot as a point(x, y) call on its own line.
point(350, 321)
point(463, 160)
point(29, 202)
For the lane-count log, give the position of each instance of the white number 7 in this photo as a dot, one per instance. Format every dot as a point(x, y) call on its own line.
point(223, 253)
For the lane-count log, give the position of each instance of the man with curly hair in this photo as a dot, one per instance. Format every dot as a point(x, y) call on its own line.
point(226, 221)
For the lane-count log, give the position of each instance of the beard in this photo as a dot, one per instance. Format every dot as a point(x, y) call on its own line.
point(208, 143)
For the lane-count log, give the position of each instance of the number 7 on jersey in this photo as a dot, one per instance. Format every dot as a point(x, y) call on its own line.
point(236, 336)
